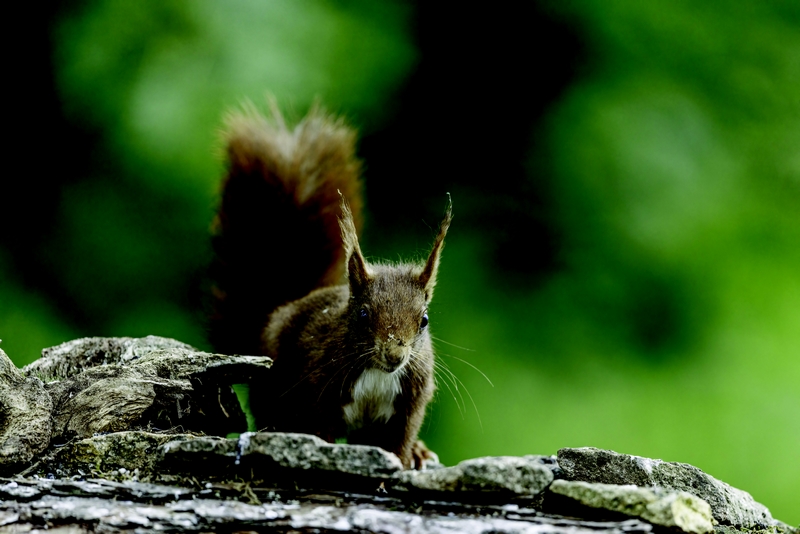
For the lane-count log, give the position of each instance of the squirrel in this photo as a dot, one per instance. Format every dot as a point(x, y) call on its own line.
point(352, 354)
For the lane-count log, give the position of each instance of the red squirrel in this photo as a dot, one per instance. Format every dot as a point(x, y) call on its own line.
point(349, 338)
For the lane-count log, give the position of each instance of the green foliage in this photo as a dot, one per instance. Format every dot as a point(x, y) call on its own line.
point(673, 330)
point(28, 322)
point(243, 394)
point(158, 84)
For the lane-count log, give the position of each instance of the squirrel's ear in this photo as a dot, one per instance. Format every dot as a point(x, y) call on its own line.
point(357, 272)
point(427, 277)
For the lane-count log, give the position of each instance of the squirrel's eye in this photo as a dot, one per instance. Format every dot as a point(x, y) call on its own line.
point(424, 322)
point(363, 313)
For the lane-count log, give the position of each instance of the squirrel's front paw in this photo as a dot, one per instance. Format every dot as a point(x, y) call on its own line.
point(423, 458)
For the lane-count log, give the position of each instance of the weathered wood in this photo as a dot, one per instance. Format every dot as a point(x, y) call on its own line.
point(25, 417)
point(101, 505)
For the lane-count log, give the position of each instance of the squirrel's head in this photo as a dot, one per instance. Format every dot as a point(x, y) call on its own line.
point(389, 303)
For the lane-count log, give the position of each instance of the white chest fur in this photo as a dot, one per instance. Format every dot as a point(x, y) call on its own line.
point(373, 398)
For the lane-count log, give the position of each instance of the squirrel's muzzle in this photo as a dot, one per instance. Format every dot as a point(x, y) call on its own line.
point(392, 354)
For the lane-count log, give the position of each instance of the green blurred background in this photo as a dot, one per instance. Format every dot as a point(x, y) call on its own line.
point(624, 264)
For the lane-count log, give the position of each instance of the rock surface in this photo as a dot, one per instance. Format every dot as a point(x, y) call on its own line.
point(729, 505)
point(505, 475)
point(99, 455)
point(657, 506)
point(291, 460)
point(114, 441)
point(301, 451)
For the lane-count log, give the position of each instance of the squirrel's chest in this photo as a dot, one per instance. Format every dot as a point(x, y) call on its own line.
point(373, 398)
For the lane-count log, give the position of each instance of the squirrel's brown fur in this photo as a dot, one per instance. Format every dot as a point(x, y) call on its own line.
point(276, 235)
point(352, 356)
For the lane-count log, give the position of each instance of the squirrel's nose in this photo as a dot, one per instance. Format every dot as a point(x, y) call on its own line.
point(394, 358)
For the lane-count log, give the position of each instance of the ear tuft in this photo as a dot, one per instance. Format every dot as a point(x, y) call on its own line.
point(427, 277)
point(357, 272)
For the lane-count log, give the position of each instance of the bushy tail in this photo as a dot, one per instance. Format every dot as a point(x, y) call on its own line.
point(276, 235)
